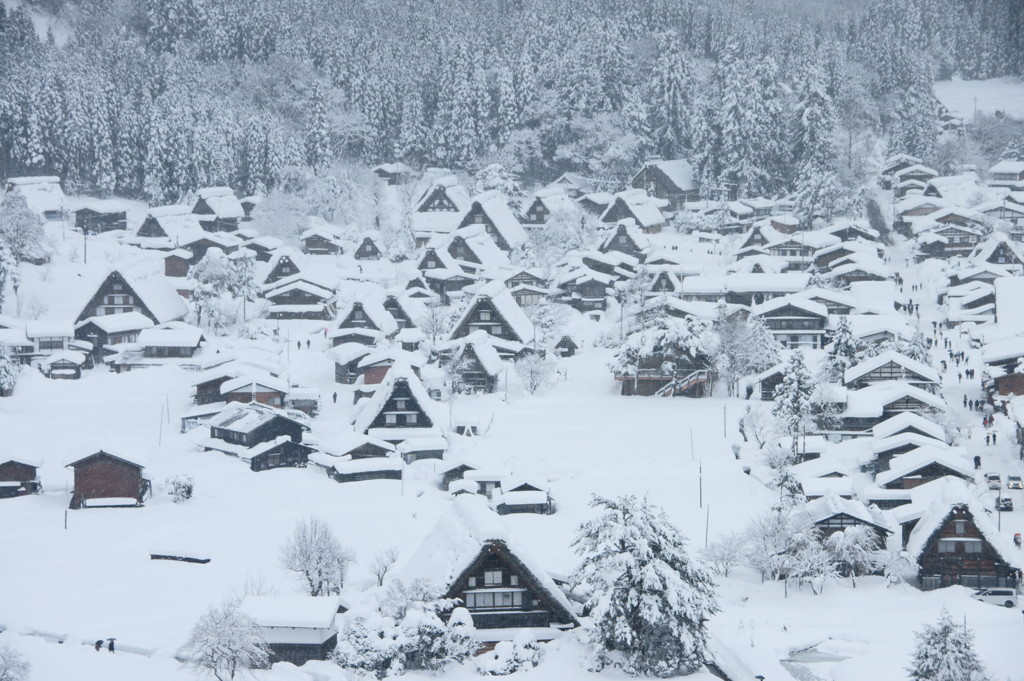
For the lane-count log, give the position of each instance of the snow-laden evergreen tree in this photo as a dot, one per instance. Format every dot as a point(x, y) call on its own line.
point(670, 90)
point(842, 354)
point(412, 131)
point(819, 193)
point(318, 134)
point(672, 346)
point(8, 273)
point(763, 350)
point(225, 643)
point(794, 398)
point(916, 129)
point(945, 652)
point(212, 277)
point(497, 176)
point(21, 231)
point(649, 601)
point(9, 370)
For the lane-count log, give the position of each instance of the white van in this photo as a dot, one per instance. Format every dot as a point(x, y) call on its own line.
point(1005, 597)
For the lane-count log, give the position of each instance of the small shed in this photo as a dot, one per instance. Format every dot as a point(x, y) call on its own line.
point(108, 479)
point(566, 347)
point(19, 477)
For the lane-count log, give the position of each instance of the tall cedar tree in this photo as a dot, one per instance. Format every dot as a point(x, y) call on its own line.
point(649, 602)
point(945, 652)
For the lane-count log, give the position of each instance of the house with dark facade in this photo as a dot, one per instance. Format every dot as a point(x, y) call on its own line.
point(98, 215)
point(795, 322)
point(892, 366)
point(494, 311)
point(263, 436)
point(282, 265)
point(670, 180)
point(297, 629)
point(152, 296)
point(108, 479)
point(398, 409)
point(491, 210)
point(551, 200)
point(626, 238)
point(956, 542)
point(218, 209)
point(477, 362)
point(19, 476)
point(368, 248)
point(639, 206)
point(470, 553)
point(299, 298)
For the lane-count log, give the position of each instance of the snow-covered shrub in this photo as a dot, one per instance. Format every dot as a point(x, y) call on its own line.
point(317, 556)
point(649, 602)
point(945, 652)
point(225, 642)
point(509, 657)
point(535, 371)
point(376, 645)
point(180, 487)
point(855, 550)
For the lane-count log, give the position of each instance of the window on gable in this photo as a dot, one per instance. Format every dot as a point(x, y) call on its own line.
point(492, 577)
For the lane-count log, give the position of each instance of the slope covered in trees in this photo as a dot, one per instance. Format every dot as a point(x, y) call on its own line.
point(152, 97)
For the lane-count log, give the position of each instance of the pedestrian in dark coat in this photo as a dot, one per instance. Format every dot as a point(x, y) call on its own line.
point(110, 645)
point(335, 397)
point(988, 440)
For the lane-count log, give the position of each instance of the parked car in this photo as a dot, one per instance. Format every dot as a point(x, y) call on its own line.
point(993, 480)
point(1004, 597)
point(1004, 504)
point(1014, 482)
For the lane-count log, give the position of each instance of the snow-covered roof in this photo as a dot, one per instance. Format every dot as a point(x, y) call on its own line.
point(458, 538)
point(134, 459)
point(870, 401)
point(42, 193)
point(222, 202)
point(158, 295)
point(179, 337)
point(71, 356)
point(49, 328)
point(983, 251)
point(372, 305)
point(955, 493)
point(243, 417)
point(494, 204)
point(483, 346)
point(253, 381)
point(393, 356)
point(629, 226)
point(886, 444)
point(798, 302)
point(831, 505)
point(1015, 167)
point(300, 612)
point(678, 171)
point(953, 458)
point(506, 306)
point(367, 409)
point(869, 364)
point(643, 207)
point(555, 200)
point(348, 352)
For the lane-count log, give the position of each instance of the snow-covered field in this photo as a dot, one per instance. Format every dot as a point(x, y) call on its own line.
point(965, 97)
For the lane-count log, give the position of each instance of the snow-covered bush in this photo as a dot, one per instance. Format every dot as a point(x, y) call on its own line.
point(855, 550)
point(377, 645)
point(21, 230)
point(509, 657)
point(315, 554)
point(180, 487)
point(649, 602)
point(225, 642)
point(945, 652)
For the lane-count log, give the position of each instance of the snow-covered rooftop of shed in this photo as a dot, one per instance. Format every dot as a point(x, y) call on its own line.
point(306, 612)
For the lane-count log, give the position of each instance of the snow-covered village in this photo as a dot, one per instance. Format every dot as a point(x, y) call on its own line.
point(571, 339)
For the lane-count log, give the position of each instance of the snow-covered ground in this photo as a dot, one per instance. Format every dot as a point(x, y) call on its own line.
point(78, 576)
point(965, 97)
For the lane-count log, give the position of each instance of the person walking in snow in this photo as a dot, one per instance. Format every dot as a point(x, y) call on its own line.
point(110, 645)
point(988, 440)
point(965, 400)
point(959, 377)
point(335, 396)
point(993, 438)
point(298, 345)
point(307, 344)
point(99, 645)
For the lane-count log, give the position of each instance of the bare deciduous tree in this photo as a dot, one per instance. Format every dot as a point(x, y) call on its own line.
point(13, 666)
point(383, 562)
point(317, 556)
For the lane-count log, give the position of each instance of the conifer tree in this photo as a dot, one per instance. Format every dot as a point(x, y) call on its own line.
point(318, 143)
point(793, 398)
point(843, 353)
point(916, 130)
point(649, 601)
point(671, 91)
point(945, 652)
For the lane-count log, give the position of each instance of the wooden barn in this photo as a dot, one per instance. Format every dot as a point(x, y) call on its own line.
point(251, 424)
point(108, 479)
point(96, 216)
point(399, 409)
point(18, 477)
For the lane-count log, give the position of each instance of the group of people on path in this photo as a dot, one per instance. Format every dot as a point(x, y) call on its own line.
point(99, 644)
